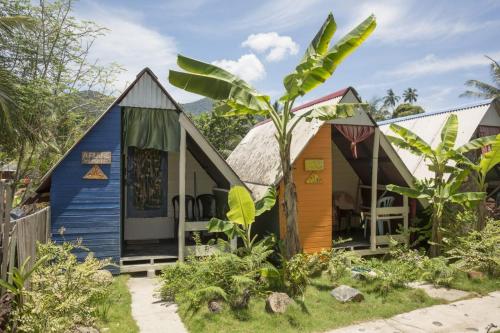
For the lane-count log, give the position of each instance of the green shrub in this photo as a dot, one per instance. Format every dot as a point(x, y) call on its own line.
point(222, 275)
point(478, 250)
point(437, 271)
point(341, 262)
point(63, 292)
point(297, 274)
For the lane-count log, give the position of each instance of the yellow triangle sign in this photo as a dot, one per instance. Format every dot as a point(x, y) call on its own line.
point(95, 173)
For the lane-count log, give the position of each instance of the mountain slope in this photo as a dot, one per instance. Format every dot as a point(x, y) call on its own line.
point(198, 107)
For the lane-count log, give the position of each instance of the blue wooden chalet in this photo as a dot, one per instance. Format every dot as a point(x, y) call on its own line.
point(139, 182)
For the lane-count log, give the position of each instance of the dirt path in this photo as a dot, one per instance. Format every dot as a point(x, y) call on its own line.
point(151, 314)
point(473, 315)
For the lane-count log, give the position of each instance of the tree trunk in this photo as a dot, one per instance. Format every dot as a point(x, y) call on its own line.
point(436, 237)
point(292, 241)
point(481, 215)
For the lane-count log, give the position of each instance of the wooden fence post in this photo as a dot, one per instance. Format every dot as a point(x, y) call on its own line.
point(5, 198)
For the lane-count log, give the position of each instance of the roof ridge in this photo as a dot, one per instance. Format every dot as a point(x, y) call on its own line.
point(335, 94)
point(462, 107)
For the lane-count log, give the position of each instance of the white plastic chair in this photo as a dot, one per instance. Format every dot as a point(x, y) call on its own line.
point(382, 202)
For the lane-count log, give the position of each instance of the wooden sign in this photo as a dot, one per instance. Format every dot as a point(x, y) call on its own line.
point(314, 165)
point(96, 157)
point(95, 173)
point(313, 178)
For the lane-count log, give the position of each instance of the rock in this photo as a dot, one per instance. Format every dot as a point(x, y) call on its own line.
point(214, 307)
point(6, 303)
point(363, 275)
point(475, 275)
point(345, 293)
point(277, 302)
point(103, 276)
point(84, 329)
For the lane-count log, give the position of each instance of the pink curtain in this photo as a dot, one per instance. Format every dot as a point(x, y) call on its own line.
point(487, 131)
point(355, 134)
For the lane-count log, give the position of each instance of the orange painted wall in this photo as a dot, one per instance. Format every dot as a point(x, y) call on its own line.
point(314, 200)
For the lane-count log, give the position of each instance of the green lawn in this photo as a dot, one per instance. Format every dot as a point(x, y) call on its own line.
point(318, 312)
point(119, 318)
point(482, 287)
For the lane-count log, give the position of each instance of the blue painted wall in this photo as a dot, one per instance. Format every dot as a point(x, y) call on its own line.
point(90, 209)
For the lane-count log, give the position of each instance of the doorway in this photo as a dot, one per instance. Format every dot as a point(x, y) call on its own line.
point(146, 204)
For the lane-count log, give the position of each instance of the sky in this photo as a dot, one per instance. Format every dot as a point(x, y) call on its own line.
point(433, 46)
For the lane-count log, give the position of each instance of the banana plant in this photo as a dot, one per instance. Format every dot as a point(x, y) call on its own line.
point(241, 215)
point(444, 161)
point(20, 277)
point(481, 168)
point(236, 97)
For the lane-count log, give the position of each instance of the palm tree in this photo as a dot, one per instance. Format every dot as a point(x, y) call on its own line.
point(377, 109)
point(391, 98)
point(485, 90)
point(410, 95)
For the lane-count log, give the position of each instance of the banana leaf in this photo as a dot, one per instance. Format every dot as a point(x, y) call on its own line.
point(330, 112)
point(413, 140)
point(465, 197)
point(409, 192)
point(226, 227)
point(267, 202)
point(491, 158)
point(216, 83)
point(476, 144)
point(449, 132)
point(318, 65)
point(241, 206)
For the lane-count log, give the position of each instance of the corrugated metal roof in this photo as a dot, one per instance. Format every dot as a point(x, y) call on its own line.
point(428, 126)
point(432, 113)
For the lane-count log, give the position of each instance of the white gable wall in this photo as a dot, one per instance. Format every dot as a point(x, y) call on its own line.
point(146, 93)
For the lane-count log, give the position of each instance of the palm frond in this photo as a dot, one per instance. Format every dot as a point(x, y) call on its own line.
point(484, 90)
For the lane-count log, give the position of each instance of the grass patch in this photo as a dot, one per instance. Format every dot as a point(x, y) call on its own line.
point(119, 318)
point(483, 287)
point(318, 312)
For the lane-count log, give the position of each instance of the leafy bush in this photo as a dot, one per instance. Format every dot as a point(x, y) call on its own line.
point(478, 250)
point(405, 265)
point(341, 262)
point(296, 274)
point(223, 276)
point(63, 292)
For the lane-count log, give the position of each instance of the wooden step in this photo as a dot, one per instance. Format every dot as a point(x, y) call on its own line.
point(160, 259)
point(144, 267)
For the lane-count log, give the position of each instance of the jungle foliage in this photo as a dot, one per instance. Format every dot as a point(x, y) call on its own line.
point(54, 89)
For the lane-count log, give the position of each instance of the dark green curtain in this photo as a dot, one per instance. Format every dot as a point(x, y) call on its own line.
point(151, 128)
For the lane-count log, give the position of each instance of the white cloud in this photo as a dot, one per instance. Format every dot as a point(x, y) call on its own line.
point(279, 15)
point(276, 46)
point(248, 67)
point(437, 97)
point(131, 44)
point(410, 21)
point(432, 64)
